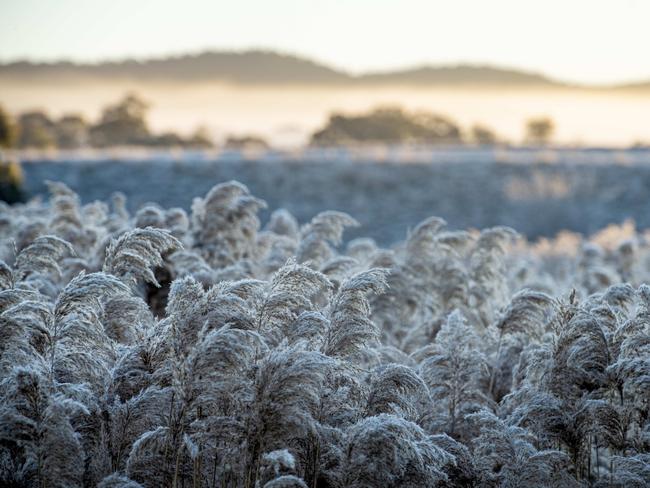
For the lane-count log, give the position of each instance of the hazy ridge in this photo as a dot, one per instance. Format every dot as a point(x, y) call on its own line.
point(267, 67)
point(285, 98)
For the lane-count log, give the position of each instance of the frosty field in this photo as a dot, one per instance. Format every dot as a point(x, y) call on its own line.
point(537, 193)
point(164, 347)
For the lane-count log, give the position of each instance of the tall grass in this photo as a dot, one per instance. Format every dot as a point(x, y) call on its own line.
point(166, 349)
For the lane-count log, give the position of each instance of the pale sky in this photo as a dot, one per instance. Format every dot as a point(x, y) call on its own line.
point(590, 41)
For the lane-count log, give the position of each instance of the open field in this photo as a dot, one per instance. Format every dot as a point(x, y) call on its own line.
point(173, 348)
point(581, 191)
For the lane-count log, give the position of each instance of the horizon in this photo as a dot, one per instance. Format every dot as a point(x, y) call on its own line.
point(316, 61)
point(422, 34)
point(360, 74)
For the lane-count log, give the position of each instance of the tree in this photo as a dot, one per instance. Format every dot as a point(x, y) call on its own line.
point(166, 139)
point(483, 136)
point(200, 139)
point(36, 130)
point(11, 182)
point(388, 125)
point(539, 131)
point(122, 124)
point(71, 132)
point(7, 129)
point(247, 142)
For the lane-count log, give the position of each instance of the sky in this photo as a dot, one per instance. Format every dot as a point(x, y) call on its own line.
point(584, 41)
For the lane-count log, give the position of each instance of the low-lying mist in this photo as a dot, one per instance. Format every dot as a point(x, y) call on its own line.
point(286, 115)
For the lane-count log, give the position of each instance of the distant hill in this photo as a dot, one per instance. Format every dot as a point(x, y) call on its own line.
point(259, 67)
point(268, 68)
point(265, 67)
point(643, 86)
point(461, 74)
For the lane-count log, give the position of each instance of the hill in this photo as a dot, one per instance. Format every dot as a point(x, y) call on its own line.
point(461, 74)
point(642, 86)
point(266, 67)
point(235, 67)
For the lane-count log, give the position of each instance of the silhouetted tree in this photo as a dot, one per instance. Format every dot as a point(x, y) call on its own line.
point(388, 125)
point(166, 139)
point(7, 129)
point(200, 139)
point(11, 182)
point(246, 142)
point(71, 132)
point(483, 135)
point(36, 130)
point(540, 130)
point(122, 124)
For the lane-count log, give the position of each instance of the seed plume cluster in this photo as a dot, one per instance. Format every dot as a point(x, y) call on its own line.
point(204, 350)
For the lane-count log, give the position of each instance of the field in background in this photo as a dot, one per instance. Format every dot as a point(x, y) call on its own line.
point(539, 194)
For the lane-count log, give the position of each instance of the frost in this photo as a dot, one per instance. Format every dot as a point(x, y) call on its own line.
point(162, 349)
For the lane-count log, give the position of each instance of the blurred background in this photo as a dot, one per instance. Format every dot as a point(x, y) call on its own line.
point(517, 112)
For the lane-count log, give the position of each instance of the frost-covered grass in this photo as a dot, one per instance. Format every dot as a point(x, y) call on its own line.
point(163, 348)
point(581, 191)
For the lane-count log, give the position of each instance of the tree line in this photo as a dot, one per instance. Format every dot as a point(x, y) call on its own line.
point(120, 124)
point(394, 125)
point(125, 124)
